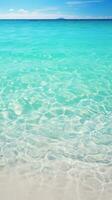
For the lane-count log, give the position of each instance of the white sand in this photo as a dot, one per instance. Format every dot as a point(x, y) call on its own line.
point(80, 183)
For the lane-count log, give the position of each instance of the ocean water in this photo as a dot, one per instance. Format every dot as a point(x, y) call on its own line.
point(56, 106)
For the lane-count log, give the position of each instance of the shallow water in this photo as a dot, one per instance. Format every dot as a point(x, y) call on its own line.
point(56, 107)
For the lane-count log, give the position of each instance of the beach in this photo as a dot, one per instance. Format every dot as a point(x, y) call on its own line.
point(79, 183)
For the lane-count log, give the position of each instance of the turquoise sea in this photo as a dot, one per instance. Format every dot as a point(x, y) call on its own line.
point(56, 98)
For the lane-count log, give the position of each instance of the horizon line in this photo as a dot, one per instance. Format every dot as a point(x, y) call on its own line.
point(56, 19)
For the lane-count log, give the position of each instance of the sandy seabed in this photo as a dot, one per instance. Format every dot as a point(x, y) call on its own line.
point(79, 182)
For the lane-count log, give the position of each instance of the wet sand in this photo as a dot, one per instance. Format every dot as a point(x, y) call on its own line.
point(80, 183)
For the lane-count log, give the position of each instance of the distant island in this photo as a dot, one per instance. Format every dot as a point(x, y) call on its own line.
point(61, 18)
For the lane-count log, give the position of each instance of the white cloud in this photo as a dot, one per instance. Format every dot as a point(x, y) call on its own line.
point(11, 10)
point(72, 3)
point(44, 13)
point(22, 10)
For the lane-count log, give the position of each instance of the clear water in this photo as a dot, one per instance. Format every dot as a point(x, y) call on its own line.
point(55, 94)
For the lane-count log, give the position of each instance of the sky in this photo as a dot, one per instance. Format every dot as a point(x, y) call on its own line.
point(52, 9)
